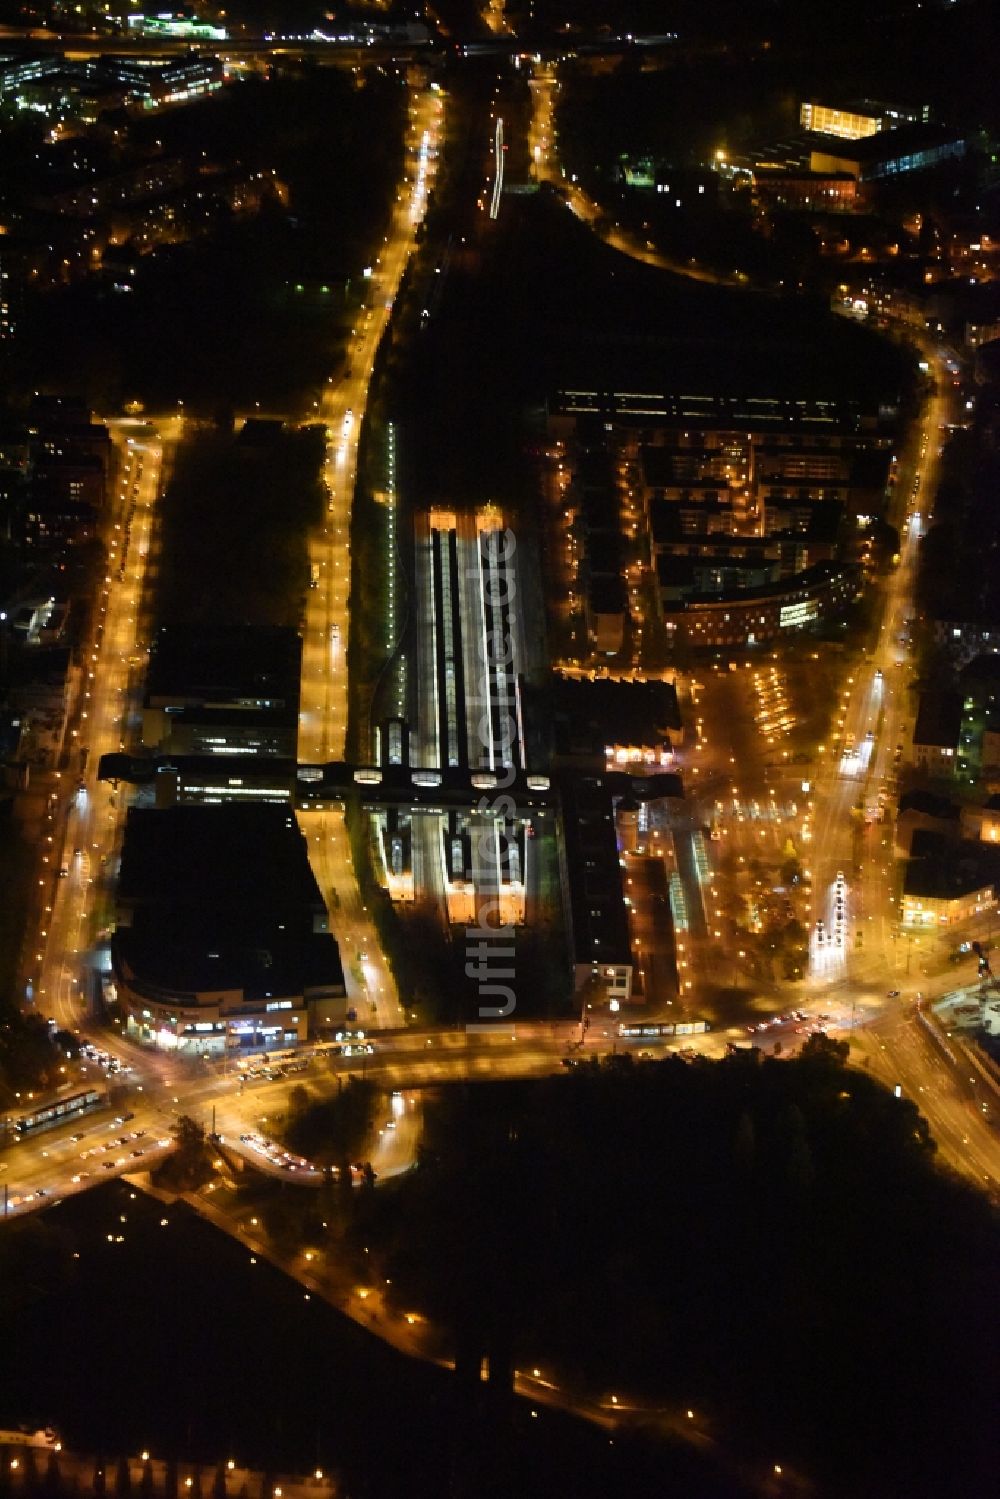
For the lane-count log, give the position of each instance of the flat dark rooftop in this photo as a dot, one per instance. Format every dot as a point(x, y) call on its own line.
point(601, 511)
point(260, 431)
point(604, 555)
point(686, 571)
point(588, 716)
point(217, 857)
point(870, 468)
point(798, 174)
point(643, 708)
point(226, 664)
point(939, 720)
point(662, 466)
point(942, 868)
point(886, 144)
point(593, 467)
point(262, 965)
point(599, 921)
point(606, 594)
point(982, 671)
point(928, 803)
point(667, 519)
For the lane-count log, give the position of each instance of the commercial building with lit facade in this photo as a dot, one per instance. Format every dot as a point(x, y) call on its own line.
point(948, 880)
point(221, 939)
point(927, 903)
point(945, 890)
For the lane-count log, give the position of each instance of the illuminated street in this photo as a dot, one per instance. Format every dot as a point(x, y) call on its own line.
point(323, 721)
point(500, 733)
point(86, 816)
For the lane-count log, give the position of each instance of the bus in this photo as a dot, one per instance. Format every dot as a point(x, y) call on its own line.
point(55, 1113)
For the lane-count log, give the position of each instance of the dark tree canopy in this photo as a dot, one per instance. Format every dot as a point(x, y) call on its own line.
point(768, 1241)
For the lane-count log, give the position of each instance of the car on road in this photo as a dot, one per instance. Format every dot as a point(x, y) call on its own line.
point(892, 994)
point(63, 872)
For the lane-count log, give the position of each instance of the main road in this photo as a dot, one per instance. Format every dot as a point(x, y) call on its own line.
point(85, 816)
point(905, 1050)
point(324, 698)
point(857, 771)
point(901, 1048)
point(40, 1168)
